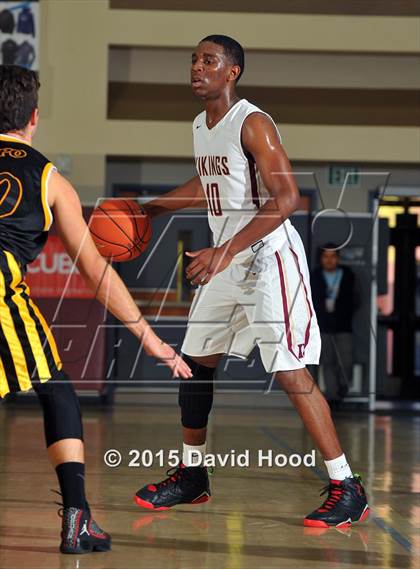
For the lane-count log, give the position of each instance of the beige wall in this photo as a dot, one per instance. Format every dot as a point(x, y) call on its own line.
point(73, 94)
point(74, 71)
point(273, 69)
point(285, 32)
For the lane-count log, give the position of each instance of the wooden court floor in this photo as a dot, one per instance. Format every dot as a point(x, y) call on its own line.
point(255, 516)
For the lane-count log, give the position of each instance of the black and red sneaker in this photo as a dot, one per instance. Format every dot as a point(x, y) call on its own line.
point(346, 504)
point(81, 534)
point(184, 485)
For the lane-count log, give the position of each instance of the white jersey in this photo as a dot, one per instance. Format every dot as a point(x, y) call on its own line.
point(231, 180)
point(249, 303)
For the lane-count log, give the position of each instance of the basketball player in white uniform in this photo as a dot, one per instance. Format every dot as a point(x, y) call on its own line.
point(253, 283)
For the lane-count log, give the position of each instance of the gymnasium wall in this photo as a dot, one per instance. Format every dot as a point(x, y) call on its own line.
point(343, 86)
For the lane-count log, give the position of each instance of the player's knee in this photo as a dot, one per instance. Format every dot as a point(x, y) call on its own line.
point(196, 395)
point(61, 408)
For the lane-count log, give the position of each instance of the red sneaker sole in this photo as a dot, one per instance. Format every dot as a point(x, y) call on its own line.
point(148, 505)
point(201, 499)
point(144, 504)
point(364, 515)
point(321, 524)
point(315, 524)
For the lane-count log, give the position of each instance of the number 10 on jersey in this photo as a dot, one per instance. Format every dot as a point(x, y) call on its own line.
point(213, 199)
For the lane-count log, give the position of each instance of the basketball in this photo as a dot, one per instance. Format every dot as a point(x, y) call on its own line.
point(121, 229)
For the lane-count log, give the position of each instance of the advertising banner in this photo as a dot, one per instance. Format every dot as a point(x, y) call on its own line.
point(53, 275)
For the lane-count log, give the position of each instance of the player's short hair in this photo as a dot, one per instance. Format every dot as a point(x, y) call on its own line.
point(232, 49)
point(18, 97)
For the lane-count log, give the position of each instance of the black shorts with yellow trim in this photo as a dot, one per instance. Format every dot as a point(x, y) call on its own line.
point(28, 352)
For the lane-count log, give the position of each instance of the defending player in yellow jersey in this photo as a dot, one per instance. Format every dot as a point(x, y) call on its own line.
point(31, 193)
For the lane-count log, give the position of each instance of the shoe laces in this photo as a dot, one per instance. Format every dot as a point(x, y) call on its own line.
point(60, 510)
point(335, 492)
point(173, 474)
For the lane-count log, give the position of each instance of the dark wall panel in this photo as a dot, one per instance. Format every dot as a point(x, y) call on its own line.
point(393, 107)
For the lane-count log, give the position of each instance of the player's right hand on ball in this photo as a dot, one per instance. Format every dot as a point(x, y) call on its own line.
point(170, 358)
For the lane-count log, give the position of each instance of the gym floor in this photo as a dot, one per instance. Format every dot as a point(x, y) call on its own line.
point(255, 516)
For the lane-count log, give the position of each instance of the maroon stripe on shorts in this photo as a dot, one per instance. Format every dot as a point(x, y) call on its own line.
point(285, 307)
point(308, 327)
point(253, 178)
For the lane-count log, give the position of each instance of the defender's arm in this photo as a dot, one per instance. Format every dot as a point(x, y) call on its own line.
point(102, 279)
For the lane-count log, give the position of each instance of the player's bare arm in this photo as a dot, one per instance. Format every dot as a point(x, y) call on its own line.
point(188, 195)
point(259, 138)
point(109, 289)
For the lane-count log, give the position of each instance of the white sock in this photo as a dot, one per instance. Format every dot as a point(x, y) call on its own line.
point(193, 455)
point(338, 469)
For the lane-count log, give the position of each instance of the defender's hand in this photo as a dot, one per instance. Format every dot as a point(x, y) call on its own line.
point(169, 357)
point(206, 263)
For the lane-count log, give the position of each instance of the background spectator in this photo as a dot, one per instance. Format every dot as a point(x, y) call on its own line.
point(333, 290)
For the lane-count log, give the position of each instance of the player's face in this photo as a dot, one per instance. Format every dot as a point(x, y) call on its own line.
point(211, 70)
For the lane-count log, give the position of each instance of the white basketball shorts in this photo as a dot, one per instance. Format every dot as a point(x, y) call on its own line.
point(265, 302)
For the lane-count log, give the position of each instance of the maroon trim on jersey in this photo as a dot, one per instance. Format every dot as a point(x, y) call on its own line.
point(285, 307)
point(253, 178)
point(308, 327)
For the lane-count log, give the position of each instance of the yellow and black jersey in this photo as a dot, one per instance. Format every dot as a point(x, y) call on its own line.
point(25, 216)
point(28, 352)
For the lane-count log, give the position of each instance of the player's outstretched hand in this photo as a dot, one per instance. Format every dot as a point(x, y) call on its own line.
point(206, 263)
point(169, 357)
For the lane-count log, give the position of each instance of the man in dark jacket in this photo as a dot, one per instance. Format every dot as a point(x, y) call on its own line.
point(333, 292)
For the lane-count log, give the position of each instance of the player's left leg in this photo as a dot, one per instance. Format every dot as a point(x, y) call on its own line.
point(346, 501)
point(65, 448)
point(283, 320)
